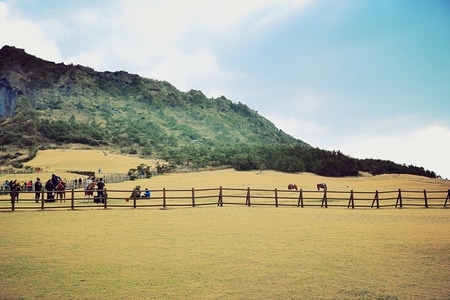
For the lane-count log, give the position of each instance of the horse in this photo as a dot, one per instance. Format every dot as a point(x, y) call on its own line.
point(89, 191)
point(292, 186)
point(322, 186)
point(60, 191)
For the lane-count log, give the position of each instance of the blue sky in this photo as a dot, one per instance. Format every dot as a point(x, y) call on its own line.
point(370, 78)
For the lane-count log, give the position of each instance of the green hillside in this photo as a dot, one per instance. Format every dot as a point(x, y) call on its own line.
point(43, 104)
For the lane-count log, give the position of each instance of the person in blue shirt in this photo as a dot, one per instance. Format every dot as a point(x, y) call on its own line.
point(147, 193)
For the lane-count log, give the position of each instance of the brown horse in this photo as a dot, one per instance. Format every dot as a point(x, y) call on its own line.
point(89, 191)
point(322, 186)
point(292, 186)
point(60, 191)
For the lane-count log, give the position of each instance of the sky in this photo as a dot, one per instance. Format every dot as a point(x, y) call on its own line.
point(370, 78)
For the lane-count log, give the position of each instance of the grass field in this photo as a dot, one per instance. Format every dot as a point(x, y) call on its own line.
point(225, 253)
point(231, 252)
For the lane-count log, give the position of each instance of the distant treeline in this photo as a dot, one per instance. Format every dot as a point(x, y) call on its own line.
point(287, 158)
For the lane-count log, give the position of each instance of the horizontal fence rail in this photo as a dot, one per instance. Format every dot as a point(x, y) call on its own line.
point(221, 196)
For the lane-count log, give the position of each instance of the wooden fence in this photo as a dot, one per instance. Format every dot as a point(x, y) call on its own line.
point(76, 199)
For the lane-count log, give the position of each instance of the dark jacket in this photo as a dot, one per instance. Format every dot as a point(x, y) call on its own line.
point(38, 186)
point(49, 185)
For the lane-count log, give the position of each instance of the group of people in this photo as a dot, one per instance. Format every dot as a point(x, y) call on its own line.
point(52, 186)
point(18, 185)
point(55, 187)
point(138, 194)
point(98, 184)
point(13, 186)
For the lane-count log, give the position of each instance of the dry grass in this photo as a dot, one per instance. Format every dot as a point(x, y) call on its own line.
point(225, 253)
point(63, 160)
point(229, 252)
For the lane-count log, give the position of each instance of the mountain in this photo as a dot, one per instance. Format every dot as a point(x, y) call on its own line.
point(45, 105)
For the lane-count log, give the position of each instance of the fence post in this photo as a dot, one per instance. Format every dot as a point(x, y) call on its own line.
point(425, 198)
point(13, 199)
point(42, 200)
point(276, 197)
point(134, 198)
point(376, 199)
point(351, 200)
point(324, 199)
point(220, 200)
point(447, 199)
point(105, 198)
point(247, 200)
point(164, 197)
point(399, 199)
point(72, 200)
point(193, 198)
point(300, 199)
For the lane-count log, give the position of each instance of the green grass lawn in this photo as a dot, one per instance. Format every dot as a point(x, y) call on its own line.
point(225, 253)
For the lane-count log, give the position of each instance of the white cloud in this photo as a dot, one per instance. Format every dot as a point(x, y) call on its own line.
point(150, 38)
point(278, 11)
point(301, 128)
point(93, 59)
point(175, 16)
point(174, 44)
point(22, 33)
point(89, 17)
point(427, 148)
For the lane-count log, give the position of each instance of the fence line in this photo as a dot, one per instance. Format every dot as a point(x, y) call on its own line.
point(77, 199)
point(107, 178)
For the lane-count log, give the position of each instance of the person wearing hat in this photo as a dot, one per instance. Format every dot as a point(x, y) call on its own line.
point(100, 188)
point(37, 189)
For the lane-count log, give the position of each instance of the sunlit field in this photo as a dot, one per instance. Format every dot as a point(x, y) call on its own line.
point(229, 252)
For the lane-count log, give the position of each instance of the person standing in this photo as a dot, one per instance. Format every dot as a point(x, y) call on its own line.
point(88, 182)
point(50, 187)
point(30, 185)
point(100, 187)
point(37, 189)
point(55, 179)
point(14, 188)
